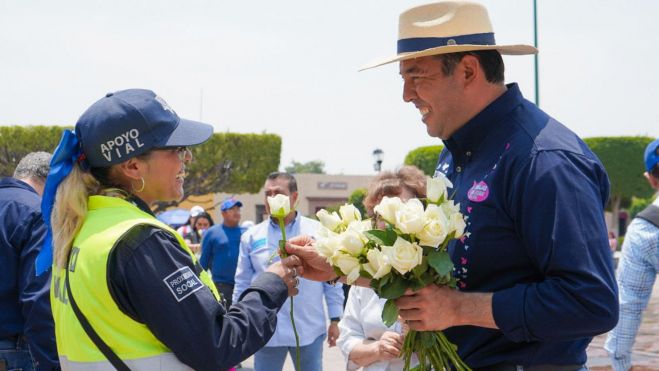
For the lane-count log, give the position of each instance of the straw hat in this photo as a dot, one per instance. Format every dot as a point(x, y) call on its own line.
point(446, 27)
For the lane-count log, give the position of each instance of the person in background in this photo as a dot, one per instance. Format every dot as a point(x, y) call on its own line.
point(127, 292)
point(365, 340)
point(220, 247)
point(637, 269)
point(200, 225)
point(27, 335)
point(258, 250)
point(187, 227)
point(613, 241)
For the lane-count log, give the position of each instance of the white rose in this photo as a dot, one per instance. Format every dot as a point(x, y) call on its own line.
point(349, 213)
point(360, 226)
point(437, 187)
point(352, 242)
point(328, 246)
point(436, 228)
point(449, 208)
point(403, 255)
point(457, 225)
point(329, 221)
point(378, 264)
point(349, 265)
point(387, 208)
point(410, 217)
point(280, 205)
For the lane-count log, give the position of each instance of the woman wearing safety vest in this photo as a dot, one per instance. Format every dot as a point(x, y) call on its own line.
point(127, 293)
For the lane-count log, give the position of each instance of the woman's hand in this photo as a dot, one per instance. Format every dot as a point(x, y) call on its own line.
point(288, 269)
point(389, 345)
point(315, 266)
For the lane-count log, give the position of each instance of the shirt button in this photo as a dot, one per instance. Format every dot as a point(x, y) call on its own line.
point(468, 153)
point(458, 169)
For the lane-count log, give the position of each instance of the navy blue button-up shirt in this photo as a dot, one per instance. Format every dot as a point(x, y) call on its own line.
point(534, 195)
point(24, 297)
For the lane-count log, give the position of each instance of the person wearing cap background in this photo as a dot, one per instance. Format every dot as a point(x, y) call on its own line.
point(127, 292)
point(187, 227)
point(257, 252)
point(535, 272)
point(637, 269)
point(27, 333)
point(220, 248)
point(200, 223)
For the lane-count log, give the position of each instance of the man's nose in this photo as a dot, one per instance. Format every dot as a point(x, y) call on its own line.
point(409, 93)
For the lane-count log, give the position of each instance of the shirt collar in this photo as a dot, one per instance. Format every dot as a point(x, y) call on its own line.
point(10, 182)
point(471, 134)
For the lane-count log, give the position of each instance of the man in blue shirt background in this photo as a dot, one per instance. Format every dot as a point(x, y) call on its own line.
point(637, 270)
point(220, 246)
point(27, 335)
point(258, 249)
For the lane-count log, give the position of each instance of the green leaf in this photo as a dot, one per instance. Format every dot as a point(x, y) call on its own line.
point(383, 238)
point(389, 313)
point(441, 261)
point(420, 269)
point(393, 289)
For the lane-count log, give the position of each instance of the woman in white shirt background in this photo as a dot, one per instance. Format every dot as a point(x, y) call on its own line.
point(365, 340)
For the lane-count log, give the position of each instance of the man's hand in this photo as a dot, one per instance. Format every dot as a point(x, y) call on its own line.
point(389, 345)
point(333, 333)
point(315, 266)
point(288, 269)
point(435, 308)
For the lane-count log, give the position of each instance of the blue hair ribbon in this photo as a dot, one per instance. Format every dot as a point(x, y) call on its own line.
point(67, 153)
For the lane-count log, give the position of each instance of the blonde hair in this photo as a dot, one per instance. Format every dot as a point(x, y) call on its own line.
point(70, 208)
point(391, 184)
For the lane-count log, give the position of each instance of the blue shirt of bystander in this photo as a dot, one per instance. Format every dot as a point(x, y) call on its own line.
point(24, 297)
point(219, 252)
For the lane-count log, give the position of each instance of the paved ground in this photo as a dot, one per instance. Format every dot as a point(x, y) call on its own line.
point(645, 357)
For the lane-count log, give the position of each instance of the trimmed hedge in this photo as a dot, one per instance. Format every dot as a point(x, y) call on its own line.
point(425, 158)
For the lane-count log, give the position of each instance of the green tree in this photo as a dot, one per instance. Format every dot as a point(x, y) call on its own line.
point(622, 158)
point(425, 158)
point(357, 198)
point(18, 141)
point(252, 157)
point(311, 167)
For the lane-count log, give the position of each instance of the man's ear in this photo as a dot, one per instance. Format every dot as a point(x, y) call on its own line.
point(654, 182)
point(470, 69)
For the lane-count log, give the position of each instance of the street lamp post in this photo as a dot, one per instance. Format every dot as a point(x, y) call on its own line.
point(378, 156)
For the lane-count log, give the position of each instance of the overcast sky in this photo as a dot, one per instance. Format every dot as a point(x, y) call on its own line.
point(289, 67)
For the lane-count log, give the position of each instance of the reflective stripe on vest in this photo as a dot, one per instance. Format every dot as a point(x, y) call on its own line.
point(162, 362)
point(108, 219)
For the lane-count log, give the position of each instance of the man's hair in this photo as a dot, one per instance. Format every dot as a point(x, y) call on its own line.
point(292, 183)
point(490, 60)
point(34, 165)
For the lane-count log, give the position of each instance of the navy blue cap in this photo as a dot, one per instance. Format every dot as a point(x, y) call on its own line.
point(651, 155)
point(230, 202)
point(131, 122)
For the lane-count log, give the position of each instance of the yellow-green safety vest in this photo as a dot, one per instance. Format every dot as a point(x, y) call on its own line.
point(107, 220)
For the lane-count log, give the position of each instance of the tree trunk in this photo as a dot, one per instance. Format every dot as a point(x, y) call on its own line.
point(615, 214)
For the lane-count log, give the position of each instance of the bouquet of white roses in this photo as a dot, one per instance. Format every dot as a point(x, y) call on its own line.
point(408, 253)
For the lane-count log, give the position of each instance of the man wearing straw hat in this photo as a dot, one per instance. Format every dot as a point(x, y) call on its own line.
point(535, 272)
